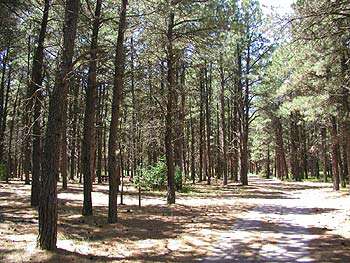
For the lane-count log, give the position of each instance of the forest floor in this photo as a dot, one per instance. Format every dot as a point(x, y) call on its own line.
point(267, 221)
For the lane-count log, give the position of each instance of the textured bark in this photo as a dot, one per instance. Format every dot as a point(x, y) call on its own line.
point(88, 144)
point(201, 126)
point(50, 167)
point(180, 126)
point(245, 106)
point(223, 145)
point(303, 151)
point(268, 163)
point(75, 126)
point(235, 121)
point(193, 154)
point(334, 153)
point(10, 167)
point(134, 113)
point(26, 123)
point(169, 152)
point(113, 151)
point(208, 95)
point(2, 101)
point(294, 145)
point(35, 88)
point(346, 145)
point(281, 159)
point(101, 102)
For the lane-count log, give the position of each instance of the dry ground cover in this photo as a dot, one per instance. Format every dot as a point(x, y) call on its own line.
point(155, 232)
point(268, 221)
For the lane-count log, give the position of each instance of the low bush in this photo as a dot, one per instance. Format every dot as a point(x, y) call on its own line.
point(154, 177)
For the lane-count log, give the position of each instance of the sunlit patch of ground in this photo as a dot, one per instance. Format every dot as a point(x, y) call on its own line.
point(268, 221)
point(155, 232)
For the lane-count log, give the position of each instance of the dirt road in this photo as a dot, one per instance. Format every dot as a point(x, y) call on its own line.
point(290, 222)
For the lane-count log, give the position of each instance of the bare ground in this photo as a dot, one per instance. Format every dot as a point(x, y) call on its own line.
point(268, 221)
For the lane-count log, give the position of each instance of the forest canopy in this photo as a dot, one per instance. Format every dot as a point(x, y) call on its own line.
point(167, 93)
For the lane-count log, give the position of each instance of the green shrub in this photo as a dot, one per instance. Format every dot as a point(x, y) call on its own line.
point(154, 177)
point(178, 178)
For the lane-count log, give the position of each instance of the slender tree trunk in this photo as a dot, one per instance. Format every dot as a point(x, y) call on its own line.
point(2, 101)
point(208, 123)
point(10, 167)
point(27, 123)
point(245, 123)
point(201, 127)
point(101, 102)
point(193, 165)
point(334, 150)
point(280, 149)
point(134, 117)
point(113, 151)
point(303, 152)
point(48, 196)
point(268, 163)
point(169, 152)
point(294, 140)
point(223, 123)
point(35, 88)
point(88, 149)
point(75, 141)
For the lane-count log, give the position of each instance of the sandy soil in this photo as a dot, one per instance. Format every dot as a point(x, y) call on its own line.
point(268, 221)
point(289, 222)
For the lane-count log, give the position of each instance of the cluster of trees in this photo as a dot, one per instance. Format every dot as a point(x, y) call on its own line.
point(95, 90)
point(303, 127)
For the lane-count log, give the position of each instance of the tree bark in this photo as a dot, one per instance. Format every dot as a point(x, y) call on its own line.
point(169, 149)
point(294, 140)
point(50, 167)
point(223, 123)
point(201, 126)
point(113, 151)
point(2, 101)
point(88, 144)
point(208, 95)
point(35, 87)
point(334, 152)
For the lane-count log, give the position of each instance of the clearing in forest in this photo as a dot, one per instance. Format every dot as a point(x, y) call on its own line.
point(268, 221)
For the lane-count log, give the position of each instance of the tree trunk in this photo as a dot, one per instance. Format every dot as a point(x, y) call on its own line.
point(201, 126)
point(169, 152)
point(223, 123)
point(50, 167)
point(208, 96)
point(75, 132)
point(334, 151)
point(268, 163)
point(2, 100)
point(113, 151)
point(294, 140)
point(88, 148)
point(193, 165)
point(35, 87)
point(10, 167)
point(245, 106)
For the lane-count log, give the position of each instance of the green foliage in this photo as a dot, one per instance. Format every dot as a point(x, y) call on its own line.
point(178, 178)
point(154, 177)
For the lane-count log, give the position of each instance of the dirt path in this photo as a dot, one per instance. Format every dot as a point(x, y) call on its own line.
point(267, 221)
point(290, 222)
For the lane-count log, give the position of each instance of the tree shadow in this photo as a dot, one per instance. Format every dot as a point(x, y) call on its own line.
point(280, 242)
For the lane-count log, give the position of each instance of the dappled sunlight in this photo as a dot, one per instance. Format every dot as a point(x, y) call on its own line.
point(267, 221)
point(181, 232)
